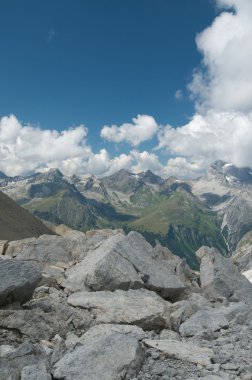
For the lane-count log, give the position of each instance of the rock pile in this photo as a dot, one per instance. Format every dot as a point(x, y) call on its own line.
point(106, 306)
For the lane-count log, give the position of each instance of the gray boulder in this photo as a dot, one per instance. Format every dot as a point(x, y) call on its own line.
point(18, 281)
point(182, 310)
point(124, 262)
point(220, 277)
point(134, 307)
point(35, 372)
point(105, 354)
point(209, 320)
point(26, 355)
point(103, 269)
point(49, 249)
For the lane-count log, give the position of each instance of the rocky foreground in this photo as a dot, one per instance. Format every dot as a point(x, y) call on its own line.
point(106, 306)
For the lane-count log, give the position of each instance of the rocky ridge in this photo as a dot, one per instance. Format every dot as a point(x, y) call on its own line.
point(105, 305)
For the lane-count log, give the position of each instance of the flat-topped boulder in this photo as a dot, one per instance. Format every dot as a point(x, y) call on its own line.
point(140, 307)
point(104, 354)
point(48, 249)
point(208, 320)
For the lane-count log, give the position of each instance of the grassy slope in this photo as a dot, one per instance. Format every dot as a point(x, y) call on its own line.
point(182, 223)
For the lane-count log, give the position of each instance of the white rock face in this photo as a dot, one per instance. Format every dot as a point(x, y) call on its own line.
point(182, 350)
point(248, 275)
point(107, 355)
point(134, 307)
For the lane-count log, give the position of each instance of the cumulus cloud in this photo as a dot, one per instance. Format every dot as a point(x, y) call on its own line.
point(183, 168)
point(222, 88)
point(143, 128)
point(224, 80)
point(221, 127)
point(215, 135)
point(26, 149)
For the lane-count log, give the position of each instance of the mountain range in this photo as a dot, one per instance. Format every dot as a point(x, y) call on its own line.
point(214, 210)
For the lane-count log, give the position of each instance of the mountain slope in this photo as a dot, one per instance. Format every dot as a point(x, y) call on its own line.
point(52, 197)
point(17, 223)
point(228, 191)
point(214, 210)
point(183, 224)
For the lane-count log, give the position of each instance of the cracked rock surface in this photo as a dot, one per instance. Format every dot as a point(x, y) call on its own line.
point(107, 306)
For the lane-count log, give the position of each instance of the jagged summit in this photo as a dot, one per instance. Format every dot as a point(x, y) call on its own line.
point(51, 175)
point(150, 177)
point(227, 173)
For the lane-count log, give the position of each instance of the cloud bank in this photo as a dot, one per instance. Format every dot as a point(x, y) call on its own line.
point(25, 149)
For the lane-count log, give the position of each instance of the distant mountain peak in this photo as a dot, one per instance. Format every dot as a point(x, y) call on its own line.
point(218, 164)
point(150, 177)
point(230, 174)
point(52, 174)
point(3, 175)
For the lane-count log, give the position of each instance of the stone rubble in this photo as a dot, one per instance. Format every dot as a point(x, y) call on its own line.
point(105, 306)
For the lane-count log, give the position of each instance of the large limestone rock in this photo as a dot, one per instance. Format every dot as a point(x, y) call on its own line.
point(182, 310)
point(105, 354)
point(35, 372)
point(103, 269)
point(20, 363)
point(124, 262)
point(18, 281)
point(134, 307)
point(48, 249)
point(103, 329)
point(220, 277)
point(209, 320)
point(35, 325)
point(182, 350)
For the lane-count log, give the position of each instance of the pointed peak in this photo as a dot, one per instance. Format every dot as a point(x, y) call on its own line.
point(218, 165)
point(52, 174)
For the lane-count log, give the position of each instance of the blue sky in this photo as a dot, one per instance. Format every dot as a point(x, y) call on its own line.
point(103, 62)
point(98, 61)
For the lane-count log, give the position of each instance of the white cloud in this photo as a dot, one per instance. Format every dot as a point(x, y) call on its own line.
point(144, 128)
point(178, 95)
point(144, 161)
point(215, 135)
point(222, 88)
point(224, 81)
point(221, 127)
point(183, 168)
point(25, 149)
